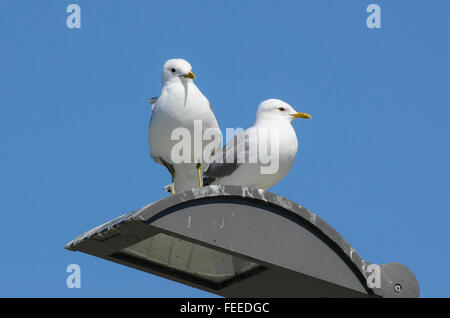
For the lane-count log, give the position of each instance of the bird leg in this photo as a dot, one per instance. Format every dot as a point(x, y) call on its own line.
point(172, 173)
point(173, 183)
point(200, 175)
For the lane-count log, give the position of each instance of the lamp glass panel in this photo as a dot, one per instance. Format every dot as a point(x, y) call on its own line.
point(196, 260)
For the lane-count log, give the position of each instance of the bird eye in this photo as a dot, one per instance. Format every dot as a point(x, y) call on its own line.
point(173, 70)
point(281, 109)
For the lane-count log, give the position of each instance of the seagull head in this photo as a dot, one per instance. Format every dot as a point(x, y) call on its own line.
point(177, 69)
point(277, 110)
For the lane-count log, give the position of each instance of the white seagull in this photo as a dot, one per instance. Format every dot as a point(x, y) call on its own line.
point(178, 106)
point(243, 159)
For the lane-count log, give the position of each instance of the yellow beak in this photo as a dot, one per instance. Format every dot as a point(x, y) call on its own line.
point(189, 75)
point(302, 115)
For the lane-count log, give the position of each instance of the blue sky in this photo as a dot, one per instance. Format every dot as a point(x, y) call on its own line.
point(373, 161)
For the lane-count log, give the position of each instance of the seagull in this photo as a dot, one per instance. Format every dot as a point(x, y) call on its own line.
point(272, 130)
point(181, 105)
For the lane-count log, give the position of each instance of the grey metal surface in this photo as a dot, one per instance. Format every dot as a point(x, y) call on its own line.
point(303, 255)
point(397, 281)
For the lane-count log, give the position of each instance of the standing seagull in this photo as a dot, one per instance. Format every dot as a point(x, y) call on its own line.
point(232, 166)
point(178, 106)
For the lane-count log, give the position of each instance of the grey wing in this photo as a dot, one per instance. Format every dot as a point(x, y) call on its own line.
point(152, 101)
point(232, 156)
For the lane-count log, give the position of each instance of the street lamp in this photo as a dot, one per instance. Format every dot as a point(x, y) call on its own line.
point(243, 242)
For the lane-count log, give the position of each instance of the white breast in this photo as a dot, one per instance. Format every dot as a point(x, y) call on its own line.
point(178, 107)
point(287, 151)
